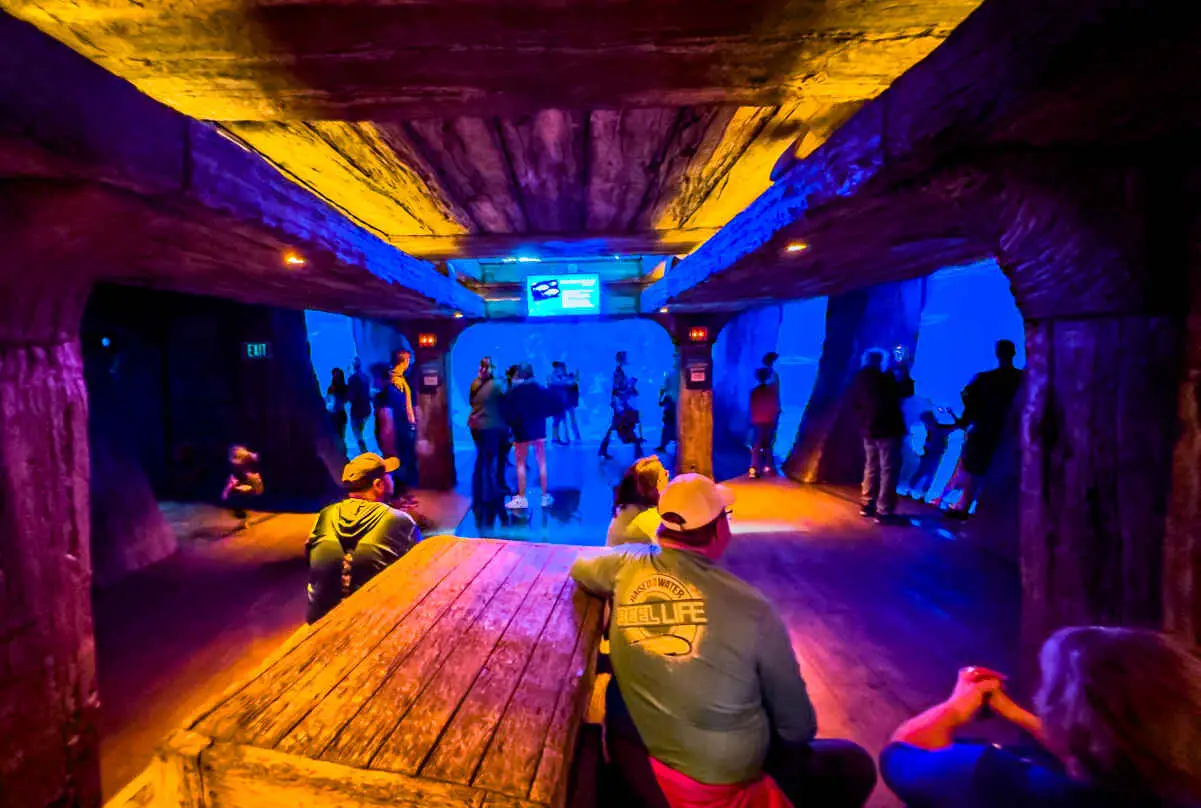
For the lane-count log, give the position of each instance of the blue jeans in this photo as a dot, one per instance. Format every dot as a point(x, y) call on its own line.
point(880, 470)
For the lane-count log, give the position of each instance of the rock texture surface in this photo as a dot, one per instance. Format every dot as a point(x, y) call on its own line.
point(829, 446)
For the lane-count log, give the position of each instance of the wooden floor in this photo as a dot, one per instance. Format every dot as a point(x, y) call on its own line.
point(881, 617)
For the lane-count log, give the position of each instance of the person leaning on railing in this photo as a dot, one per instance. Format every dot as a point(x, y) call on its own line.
point(1118, 717)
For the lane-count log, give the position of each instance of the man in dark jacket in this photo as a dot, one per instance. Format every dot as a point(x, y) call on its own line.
point(488, 433)
point(355, 539)
point(877, 395)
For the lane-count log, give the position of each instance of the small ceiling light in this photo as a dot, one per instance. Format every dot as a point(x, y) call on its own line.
point(458, 315)
point(797, 247)
point(663, 310)
point(294, 259)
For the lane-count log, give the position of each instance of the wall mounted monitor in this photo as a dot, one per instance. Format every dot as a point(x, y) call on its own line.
point(562, 295)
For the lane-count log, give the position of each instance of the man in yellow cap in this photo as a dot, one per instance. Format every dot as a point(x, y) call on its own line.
point(362, 530)
point(709, 706)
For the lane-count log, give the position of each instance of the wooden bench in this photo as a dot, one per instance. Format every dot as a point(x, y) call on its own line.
point(457, 677)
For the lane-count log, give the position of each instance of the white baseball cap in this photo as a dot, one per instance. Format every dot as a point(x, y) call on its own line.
point(691, 501)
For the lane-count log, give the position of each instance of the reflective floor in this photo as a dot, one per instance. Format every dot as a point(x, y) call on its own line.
point(581, 484)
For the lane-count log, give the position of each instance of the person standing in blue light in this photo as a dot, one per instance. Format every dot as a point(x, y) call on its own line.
point(565, 386)
point(667, 402)
point(620, 395)
point(404, 413)
point(986, 404)
point(526, 406)
point(876, 395)
point(358, 392)
point(488, 431)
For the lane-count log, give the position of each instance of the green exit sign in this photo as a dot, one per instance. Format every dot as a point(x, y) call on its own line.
point(256, 350)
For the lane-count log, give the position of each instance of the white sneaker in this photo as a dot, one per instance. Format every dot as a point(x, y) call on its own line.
point(517, 503)
point(547, 500)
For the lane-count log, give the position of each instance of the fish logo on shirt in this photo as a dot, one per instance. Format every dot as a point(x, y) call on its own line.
point(663, 615)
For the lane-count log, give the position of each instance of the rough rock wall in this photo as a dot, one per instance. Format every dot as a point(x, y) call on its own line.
point(828, 448)
point(738, 352)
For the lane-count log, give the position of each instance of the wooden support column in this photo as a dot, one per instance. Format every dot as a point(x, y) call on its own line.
point(435, 432)
point(1097, 261)
point(48, 700)
point(828, 446)
point(1182, 558)
point(694, 407)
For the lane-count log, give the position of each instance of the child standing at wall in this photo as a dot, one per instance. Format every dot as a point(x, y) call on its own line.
point(765, 413)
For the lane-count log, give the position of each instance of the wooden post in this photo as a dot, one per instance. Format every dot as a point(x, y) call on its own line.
point(435, 432)
point(48, 701)
point(1097, 261)
point(695, 404)
point(1182, 556)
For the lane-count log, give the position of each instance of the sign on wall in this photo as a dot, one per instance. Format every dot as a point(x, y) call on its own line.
point(256, 350)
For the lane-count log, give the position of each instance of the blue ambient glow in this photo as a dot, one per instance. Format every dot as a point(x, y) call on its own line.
point(588, 347)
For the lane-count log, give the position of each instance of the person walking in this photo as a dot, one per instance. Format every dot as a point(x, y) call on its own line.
point(620, 393)
point(337, 397)
point(526, 407)
point(876, 395)
point(487, 432)
point(358, 393)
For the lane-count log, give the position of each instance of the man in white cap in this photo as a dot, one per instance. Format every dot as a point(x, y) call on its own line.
point(709, 705)
point(361, 529)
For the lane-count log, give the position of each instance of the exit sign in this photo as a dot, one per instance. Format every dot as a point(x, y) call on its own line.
point(256, 350)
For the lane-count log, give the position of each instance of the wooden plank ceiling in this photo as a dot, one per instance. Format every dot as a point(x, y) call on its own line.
point(477, 128)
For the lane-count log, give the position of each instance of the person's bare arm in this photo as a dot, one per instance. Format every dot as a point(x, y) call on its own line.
point(1008, 709)
point(936, 727)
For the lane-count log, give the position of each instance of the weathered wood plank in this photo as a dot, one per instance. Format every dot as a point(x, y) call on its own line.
point(554, 245)
point(238, 776)
point(548, 154)
point(466, 737)
point(352, 167)
point(696, 134)
point(623, 150)
point(469, 158)
point(360, 668)
point(413, 739)
point(554, 769)
point(361, 738)
point(257, 694)
point(512, 758)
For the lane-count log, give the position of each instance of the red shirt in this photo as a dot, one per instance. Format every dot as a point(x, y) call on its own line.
point(682, 791)
point(765, 405)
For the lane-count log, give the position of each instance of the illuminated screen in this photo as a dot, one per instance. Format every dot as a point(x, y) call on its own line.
point(559, 295)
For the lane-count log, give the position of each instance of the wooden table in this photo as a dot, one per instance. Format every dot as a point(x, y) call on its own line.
point(457, 677)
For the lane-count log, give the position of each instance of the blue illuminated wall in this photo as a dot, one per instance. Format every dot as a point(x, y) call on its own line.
point(587, 346)
point(967, 310)
point(796, 332)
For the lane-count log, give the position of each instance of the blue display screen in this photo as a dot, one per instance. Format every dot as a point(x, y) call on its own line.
point(562, 295)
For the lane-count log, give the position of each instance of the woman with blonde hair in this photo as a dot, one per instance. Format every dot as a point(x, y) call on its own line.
point(636, 503)
point(1118, 714)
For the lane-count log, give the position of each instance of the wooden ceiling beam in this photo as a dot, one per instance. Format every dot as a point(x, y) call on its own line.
point(978, 90)
point(334, 60)
point(195, 187)
point(554, 245)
